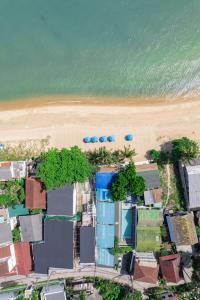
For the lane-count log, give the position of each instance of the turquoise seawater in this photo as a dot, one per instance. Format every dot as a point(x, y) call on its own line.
point(99, 47)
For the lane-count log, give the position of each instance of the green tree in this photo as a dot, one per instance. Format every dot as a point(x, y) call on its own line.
point(164, 252)
point(118, 188)
point(109, 290)
point(119, 250)
point(12, 192)
point(136, 295)
point(65, 166)
point(164, 233)
point(155, 155)
point(184, 149)
point(83, 295)
point(35, 295)
point(127, 153)
point(137, 186)
point(198, 230)
point(16, 235)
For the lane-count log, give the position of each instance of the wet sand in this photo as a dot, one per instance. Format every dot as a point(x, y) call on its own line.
point(67, 119)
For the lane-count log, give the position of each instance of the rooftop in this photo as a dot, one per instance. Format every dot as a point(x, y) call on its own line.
point(23, 258)
point(150, 217)
point(150, 174)
point(170, 267)
point(53, 292)
point(87, 245)
point(145, 274)
point(35, 194)
point(5, 233)
point(17, 210)
point(31, 227)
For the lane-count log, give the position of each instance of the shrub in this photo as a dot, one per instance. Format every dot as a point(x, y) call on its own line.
point(13, 192)
point(120, 250)
point(184, 149)
point(16, 235)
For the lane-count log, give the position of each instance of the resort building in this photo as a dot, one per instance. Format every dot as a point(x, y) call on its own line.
point(148, 229)
point(35, 194)
point(31, 228)
point(12, 170)
point(182, 229)
point(170, 268)
point(190, 176)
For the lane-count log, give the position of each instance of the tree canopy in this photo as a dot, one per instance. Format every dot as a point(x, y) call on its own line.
point(127, 182)
point(65, 166)
point(185, 149)
point(12, 192)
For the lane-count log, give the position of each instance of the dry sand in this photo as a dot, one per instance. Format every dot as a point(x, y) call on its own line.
point(68, 119)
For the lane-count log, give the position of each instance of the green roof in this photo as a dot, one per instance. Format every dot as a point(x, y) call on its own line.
point(18, 210)
point(148, 238)
point(150, 217)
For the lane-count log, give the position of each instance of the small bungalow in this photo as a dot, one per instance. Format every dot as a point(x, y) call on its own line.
point(53, 292)
point(35, 194)
point(12, 170)
point(23, 258)
point(31, 228)
point(153, 197)
point(182, 229)
point(62, 201)
point(170, 268)
point(146, 273)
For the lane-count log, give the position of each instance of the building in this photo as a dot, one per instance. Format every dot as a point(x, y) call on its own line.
point(153, 197)
point(35, 194)
point(145, 273)
point(8, 296)
point(148, 230)
point(31, 228)
point(53, 292)
point(150, 173)
point(57, 250)
point(87, 245)
point(7, 261)
point(5, 234)
point(12, 170)
point(23, 255)
point(17, 210)
point(62, 201)
point(170, 268)
point(182, 229)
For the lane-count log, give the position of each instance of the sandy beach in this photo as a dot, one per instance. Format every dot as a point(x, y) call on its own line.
point(66, 120)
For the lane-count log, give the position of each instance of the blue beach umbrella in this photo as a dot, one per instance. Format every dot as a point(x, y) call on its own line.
point(111, 138)
point(103, 139)
point(87, 139)
point(94, 139)
point(129, 137)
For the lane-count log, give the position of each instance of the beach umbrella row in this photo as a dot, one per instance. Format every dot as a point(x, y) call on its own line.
point(103, 139)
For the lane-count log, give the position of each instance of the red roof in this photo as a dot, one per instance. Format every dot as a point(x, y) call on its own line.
point(5, 252)
point(5, 164)
point(35, 194)
point(170, 267)
point(4, 269)
point(23, 258)
point(145, 274)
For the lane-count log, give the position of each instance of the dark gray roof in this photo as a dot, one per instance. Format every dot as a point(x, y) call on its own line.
point(5, 233)
point(152, 178)
point(57, 249)
point(87, 244)
point(60, 201)
point(31, 228)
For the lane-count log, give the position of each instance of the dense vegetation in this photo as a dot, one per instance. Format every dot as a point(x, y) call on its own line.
point(12, 192)
point(104, 156)
point(65, 166)
point(184, 149)
point(117, 250)
point(16, 235)
point(127, 182)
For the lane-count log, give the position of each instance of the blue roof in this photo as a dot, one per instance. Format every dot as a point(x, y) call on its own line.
point(171, 230)
point(105, 236)
point(103, 195)
point(87, 139)
point(103, 139)
point(129, 137)
point(112, 138)
point(104, 180)
point(105, 212)
point(104, 258)
point(17, 210)
point(94, 139)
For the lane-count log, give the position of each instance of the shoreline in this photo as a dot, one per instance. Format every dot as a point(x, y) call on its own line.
point(66, 122)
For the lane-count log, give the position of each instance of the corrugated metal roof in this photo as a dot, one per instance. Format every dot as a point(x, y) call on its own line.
point(105, 212)
point(152, 178)
point(105, 258)
point(87, 244)
point(5, 233)
point(193, 173)
point(31, 228)
point(23, 258)
point(35, 194)
point(17, 210)
point(105, 236)
point(104, 180)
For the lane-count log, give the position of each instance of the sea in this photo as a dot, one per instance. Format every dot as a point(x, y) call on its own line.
point(139, 48)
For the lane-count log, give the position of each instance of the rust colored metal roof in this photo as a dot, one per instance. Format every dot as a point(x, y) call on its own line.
point(145, 274)
point(5, 252)
point(5, 164)
point(146, 167)
point(23, 258)
point(170, 267)
point(35, 194)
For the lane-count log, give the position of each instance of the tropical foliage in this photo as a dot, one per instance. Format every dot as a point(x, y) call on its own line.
point(16, 235)
point(127, 182)
point(160, 157)
point(117, 250)
point(12, 192)
point(109, 290)
point(104, 156)
point(65, 166)
point(184, 149)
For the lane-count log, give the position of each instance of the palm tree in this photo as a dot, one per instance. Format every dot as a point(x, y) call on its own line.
point(127, 153)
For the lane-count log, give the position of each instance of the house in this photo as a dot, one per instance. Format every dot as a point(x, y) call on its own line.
point(57, 250)
point(150, 173)
point(87, 245)
point(17, 210)
point(5, 234)
point(31, 228)
point(153, 197)
point(8, 296)
point(53, 292)
point(182, 229)
point(146, 273)
point(12, 170)
point(190, 177)
point(62, 201)
point(23, 258)
point(35, 194)
point(170, 267)
point(148, 230)
point(7, 261)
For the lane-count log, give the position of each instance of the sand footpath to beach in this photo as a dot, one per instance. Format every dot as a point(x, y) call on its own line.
point(66, 123)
